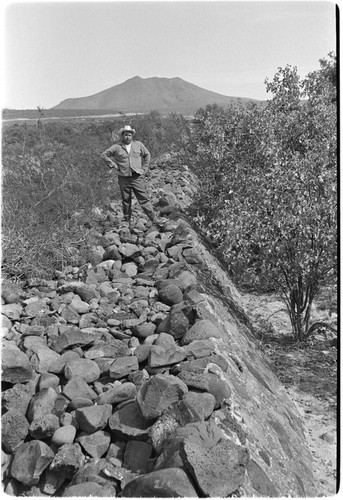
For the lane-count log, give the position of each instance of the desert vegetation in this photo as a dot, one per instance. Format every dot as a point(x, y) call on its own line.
point(267, 202)
point(268, 199)
point(54, 185)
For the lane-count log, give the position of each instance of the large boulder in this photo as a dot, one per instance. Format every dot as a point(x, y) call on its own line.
point(159, 392)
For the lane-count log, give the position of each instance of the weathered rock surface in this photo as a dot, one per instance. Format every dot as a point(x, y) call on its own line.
point(137, 375)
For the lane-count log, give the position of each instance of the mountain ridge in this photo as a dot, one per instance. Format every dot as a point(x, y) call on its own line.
point(142, 95)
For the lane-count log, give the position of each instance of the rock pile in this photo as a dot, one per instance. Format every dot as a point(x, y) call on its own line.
point(128, 377)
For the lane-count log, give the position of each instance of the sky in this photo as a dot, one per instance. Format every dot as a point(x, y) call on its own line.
point(53, 51)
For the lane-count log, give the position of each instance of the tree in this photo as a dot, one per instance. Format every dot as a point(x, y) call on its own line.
point(270, 188)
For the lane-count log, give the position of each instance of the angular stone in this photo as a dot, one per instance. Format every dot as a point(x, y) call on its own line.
point(218, 471)
point(104, 365)
point(118, 394)
point(93, 418)
point(42, 403)
point(159, 392)
point(17, 398)
point(144, 330)
point(150, 265)
point(78, 387)
point(68, 460)
point(138, 377)
point(95, 276)
point(202, 403)
point(85, 368)
point(178, 414)
point(12, 311)
point(192, 256)
point(163, 429)
point(121, 367)
point(44, 427)
point(112, 253)
point(30, 460)
point(79, 305)
point(128, 249)
point(86, 292)
point(170, 456)
point(199, 348)
point(106, 290)
point(187, 279)
point(137, 454)
point(164, 483)
point(44, 359)
point(16, 366)
point(174, 252)
point(205, 434)
point(96, 255)
point(48, 380)
point(128, 422)
point(176, 324)
point(142, 352)
point(95, 444)
point(66, 356)
point(73, 337)
point(87, 320)
point(202, 329)
point(166, 354)
point(70, 315)
point(164, 339)
point(194, 380)
point(14, 429)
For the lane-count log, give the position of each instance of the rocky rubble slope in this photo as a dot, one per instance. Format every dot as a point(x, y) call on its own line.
point(137, 375)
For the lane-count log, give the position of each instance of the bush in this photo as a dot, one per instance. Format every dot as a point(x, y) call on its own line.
point(268, 197)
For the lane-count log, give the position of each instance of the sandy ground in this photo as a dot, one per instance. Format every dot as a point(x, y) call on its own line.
point(321, 436)
point(318, 414)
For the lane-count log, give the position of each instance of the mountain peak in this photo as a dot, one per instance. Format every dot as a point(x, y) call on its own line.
point(142, 95)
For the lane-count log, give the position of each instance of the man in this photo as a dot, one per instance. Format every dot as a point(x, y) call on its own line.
point(129, 158)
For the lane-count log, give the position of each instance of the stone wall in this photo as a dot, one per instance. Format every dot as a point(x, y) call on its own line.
point(138, 374)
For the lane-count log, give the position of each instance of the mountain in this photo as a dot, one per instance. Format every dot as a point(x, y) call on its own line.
point(142, 95)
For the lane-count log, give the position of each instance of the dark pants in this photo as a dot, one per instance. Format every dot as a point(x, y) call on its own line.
point(135, 184)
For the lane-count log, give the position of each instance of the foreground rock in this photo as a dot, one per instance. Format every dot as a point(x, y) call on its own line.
point(137, 375)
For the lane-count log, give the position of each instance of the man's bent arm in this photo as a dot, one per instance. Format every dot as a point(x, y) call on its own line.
point(106, 156)
point(146, 157)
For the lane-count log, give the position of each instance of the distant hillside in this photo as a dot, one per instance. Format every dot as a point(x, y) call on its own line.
point(142, 95)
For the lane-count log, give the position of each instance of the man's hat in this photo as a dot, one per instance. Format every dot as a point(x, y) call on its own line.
point(127, 128)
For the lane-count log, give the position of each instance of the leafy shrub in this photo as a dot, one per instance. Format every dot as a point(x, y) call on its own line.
point(268, 197)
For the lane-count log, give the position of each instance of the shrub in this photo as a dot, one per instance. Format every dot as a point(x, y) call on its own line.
point(269, 187)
